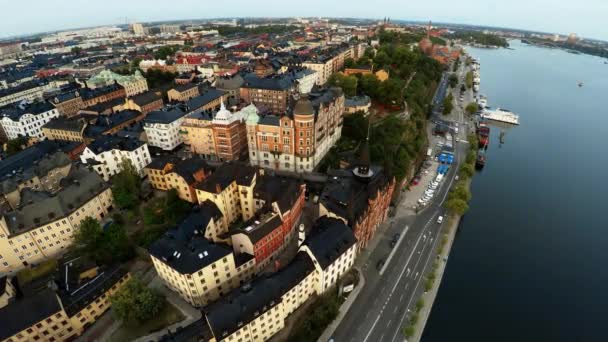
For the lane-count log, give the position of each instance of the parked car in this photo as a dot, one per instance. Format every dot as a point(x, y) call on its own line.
point(394, 240)
point(440, 219)
point(380, 264)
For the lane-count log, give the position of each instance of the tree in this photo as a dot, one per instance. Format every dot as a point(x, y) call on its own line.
point(457, 206)
point(370, 85)
point(103, 247)
point(471, 108)
point(347, 83)
point(349, 63)
point(136, 303)
point(76, 50)
point(460, 192)
point(165, 51)
point(126, 185)
point(469, 80)
point(453, 79)
point(16, 145)
point(157, 78)
point(408, 331)
point(448, 104)
point(467, 170)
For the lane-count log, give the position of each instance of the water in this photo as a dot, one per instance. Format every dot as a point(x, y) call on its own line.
point(529, 261)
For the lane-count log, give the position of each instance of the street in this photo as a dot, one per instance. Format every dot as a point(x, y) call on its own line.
point(389, 297)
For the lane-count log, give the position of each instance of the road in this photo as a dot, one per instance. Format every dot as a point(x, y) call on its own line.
point(380, 312)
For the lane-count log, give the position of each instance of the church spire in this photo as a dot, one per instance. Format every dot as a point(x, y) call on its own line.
point(362, 169)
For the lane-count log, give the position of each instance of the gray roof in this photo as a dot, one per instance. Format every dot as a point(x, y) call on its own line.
point(329, 239)
point(111, 142)
point(28, 311)
point(184, 248)
point(357, 101)
point(14, 111)
point(230, 83)
point(165, 117)
point(277, 82)
point(147, 98)
point(65, 124)
point(303, 107)
point(200, 101)
point(243, 305)
point(39, 207)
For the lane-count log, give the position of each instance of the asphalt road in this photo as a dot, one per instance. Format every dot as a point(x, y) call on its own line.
point(380, 311)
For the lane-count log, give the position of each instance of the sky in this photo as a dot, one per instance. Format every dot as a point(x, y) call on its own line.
point(587, 18)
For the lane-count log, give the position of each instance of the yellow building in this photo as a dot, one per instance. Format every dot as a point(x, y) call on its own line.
point(7, 291)
point(63, 128)
point(382, 75)
point(49, 315)
point(183, 92)
point(199, 270)
point(44, 224)
point(170, 172)
point(197, 132)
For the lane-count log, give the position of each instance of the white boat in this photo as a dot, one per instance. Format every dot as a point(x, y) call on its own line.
point(502, 115)
point(476, 87)
point(482, 101)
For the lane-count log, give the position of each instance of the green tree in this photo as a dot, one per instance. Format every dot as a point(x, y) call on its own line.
point(467, 170)
point(76, 50)
point(103, 247)
point(157, 78)
point(469, 80)
point(457, 206)
point(88, 239)
point(460, 192)
point(453, 80)
point(165, 51)
point(347, 83)
point(349, 63)
point(448, 104)
point(370, 85)
point(408, 331)
point(471, 108)
point(126, 185)
point(16, 145)
point(136, 303)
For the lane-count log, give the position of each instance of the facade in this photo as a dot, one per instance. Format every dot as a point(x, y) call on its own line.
point(91, 97)
point(209, 99)
point(298, 140)
point(257, 311)
point(68, 104)
point(270, 92)
point(133, 84)
point(28, 91)
point(145, 102)
point(163, 128)
point(326, 63)
point(138, 29)
point(361, 197)
point(357, 104)
point(26, 119)
point(170, 172)
point(44, 224)
point(82, 296)
point(107, 153)
point(199, 270)
point(231, 86)
point(183, 92)
point(62, 128)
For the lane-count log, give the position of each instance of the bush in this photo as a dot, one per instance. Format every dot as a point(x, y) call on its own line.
point(408, 331)
point(322, 313)
point(419, 304)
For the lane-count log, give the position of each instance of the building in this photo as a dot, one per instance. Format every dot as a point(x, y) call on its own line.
point(38, 167)
point(145, 102)
point(69, 103)
point(305, 79)
point(298, 140)
point(82, 295)
point(10, 50)
point(328, 62)
point(231, 86)
point(26, 119)
point(270, 92)
point(62, 128)
point(360, 197)
point(257, 311)
point(199, 270)
point(170, 172)
point(357, 104)
point(169, 29)
point(209, 99)
point(110, 124)
point(107, 153)
point(138, 29)
point(28, 91)
point(163, 128)
point(7, 291)
point(44, 224)
point(183, 92)
point(91, 97)
point(133, 84)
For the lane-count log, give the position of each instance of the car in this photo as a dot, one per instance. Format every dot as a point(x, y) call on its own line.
point(440, 219)
point(394, 240)
point(429, 192)
point(380, 264)
point(415, 181)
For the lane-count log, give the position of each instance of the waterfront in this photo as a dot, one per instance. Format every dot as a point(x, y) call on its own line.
point(527, 263)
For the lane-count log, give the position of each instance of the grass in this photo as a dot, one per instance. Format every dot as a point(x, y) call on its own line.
point(29, 274)
point(129, 332)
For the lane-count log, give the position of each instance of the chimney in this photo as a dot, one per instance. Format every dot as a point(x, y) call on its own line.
point(218, 189)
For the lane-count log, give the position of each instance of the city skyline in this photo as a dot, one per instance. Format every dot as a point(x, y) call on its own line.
point(540, 15)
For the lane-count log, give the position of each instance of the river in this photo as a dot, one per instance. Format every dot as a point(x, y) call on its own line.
point(529, 260)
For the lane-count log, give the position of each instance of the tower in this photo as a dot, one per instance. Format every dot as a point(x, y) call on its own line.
point(362, 169)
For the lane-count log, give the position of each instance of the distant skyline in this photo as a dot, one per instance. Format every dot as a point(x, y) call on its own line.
point(584, 17)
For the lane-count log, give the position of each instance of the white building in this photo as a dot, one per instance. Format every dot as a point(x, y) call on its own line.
point(306, 79)
point(107, 153)
point(26, 119)
point(28, 91)
point(163, 128)
point(138, 29)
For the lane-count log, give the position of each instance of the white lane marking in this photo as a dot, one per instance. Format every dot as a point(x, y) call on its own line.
point(396, 282)
point(390, 256)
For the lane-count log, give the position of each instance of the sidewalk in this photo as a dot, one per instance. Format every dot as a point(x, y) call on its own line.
point(429, 297)
point(343, 309)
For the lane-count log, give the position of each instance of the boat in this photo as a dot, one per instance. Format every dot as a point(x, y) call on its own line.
point(483, 135)
point(580, 84)
point(502, 115)
point(482, 101)
point(480, 162)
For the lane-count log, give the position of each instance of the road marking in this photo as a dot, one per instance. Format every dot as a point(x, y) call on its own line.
point(389, 323)
point(397, 282)
point(390, 256)
point(396, 308)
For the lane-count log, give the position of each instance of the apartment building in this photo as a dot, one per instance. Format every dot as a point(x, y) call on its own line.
point(367, 189)
point(69, 103)
point(199, 270)
point(107, 153)
point(26, 119)
point(7, 290)
point(110, 124)
point(163, 128)
point(62, 128)
point(329, 61)
point(298, 140)
point(171, 172)
point(183, 92)
point(82, 296)
point(27, 91)
point(91, 97)
point(220, 137)
point(145, 102)
point(133, 84)
point(231, 86)
point(209, 99)
point(270, 92)
point(44, 224)
point(257, 311)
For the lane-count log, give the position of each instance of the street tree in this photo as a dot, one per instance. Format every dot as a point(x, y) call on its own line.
point(471, 108)
point(136, 303)
point(448, 104)
point(126, 185)
point(16, 145)
point(469, 80)
point(457, 206)
point(467, 170)
point(453, 79)
point(347, 83)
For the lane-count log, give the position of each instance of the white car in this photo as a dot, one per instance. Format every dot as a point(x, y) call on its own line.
point(440, 219)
